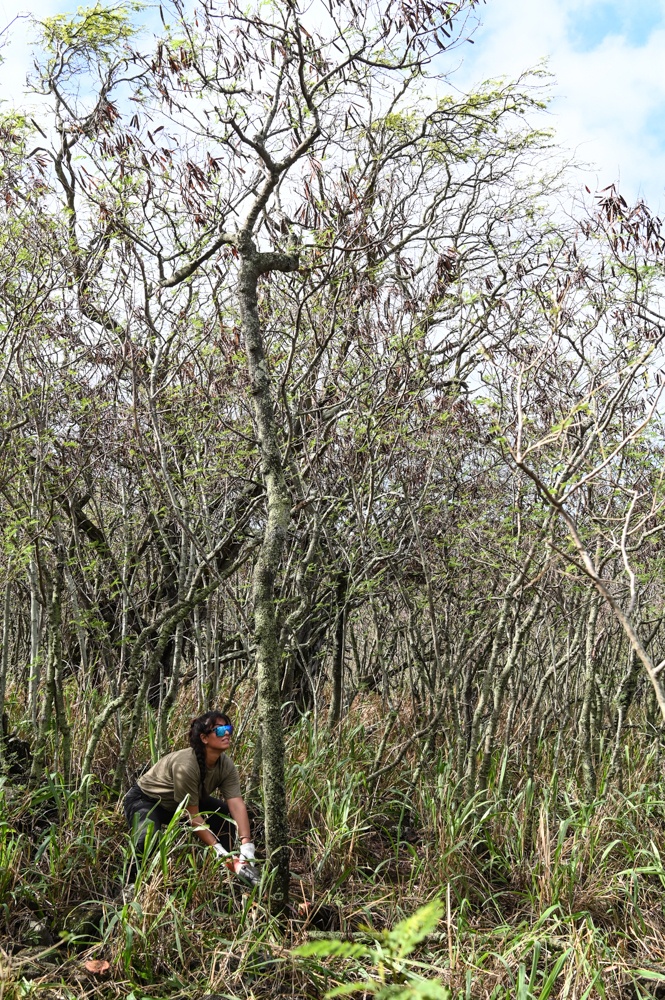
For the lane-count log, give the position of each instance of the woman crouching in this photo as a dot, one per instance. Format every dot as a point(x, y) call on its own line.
point(193, 774)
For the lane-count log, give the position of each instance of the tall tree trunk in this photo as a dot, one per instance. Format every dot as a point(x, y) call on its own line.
point(268, 651)
point(35, 651)
point(53, 677)
point(63, 727)
point(586, 741)
point(4, 654)
point(338, 649)
point(499, 687)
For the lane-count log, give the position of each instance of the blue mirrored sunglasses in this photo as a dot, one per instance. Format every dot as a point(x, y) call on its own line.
point(223, 730)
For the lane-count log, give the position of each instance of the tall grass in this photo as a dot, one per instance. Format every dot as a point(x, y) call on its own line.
point(533, 891)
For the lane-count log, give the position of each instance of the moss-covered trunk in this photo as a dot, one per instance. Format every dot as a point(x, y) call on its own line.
point(268, 651)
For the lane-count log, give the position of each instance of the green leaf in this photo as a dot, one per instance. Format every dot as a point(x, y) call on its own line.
point(655, 977)
point(552, 977)
point(404, 937)
point(418, 989)
point(346, 989)
point(332, 949)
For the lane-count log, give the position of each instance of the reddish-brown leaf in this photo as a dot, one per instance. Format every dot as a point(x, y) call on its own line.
point(98, 966)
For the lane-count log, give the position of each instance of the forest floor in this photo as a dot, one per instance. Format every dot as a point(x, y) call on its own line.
point(535, 892)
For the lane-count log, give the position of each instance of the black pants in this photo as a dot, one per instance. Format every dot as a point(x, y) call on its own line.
point(143, 814)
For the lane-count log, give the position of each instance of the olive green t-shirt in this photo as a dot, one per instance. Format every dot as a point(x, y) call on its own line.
point(177, 775)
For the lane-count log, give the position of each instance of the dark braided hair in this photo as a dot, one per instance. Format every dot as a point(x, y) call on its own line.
point(200, 727)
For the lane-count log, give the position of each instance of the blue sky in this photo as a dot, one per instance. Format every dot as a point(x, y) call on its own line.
point(607, 56)
point(588, 28)
point(608, 60)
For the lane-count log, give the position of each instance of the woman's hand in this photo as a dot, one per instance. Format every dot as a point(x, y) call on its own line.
point(247, 871)
point(248, 852)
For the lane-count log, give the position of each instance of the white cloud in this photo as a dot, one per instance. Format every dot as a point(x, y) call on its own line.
point(16, 52)
point(610, 101)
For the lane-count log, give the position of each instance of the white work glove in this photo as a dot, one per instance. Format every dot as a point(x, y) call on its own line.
point(248, 852)
point(246, 870)
point(242, 865)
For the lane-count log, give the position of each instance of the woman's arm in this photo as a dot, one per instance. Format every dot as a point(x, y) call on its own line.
point(204, 833)
point(238, 810)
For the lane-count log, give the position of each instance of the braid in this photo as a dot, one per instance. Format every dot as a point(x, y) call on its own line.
point(200, 752)
point(199, 727)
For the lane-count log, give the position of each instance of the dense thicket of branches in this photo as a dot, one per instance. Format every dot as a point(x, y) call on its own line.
point(437, 467)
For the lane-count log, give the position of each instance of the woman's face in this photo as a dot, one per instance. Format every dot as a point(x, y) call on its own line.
point(217, 742)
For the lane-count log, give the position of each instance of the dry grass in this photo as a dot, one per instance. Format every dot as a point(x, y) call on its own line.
point(542, 895)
